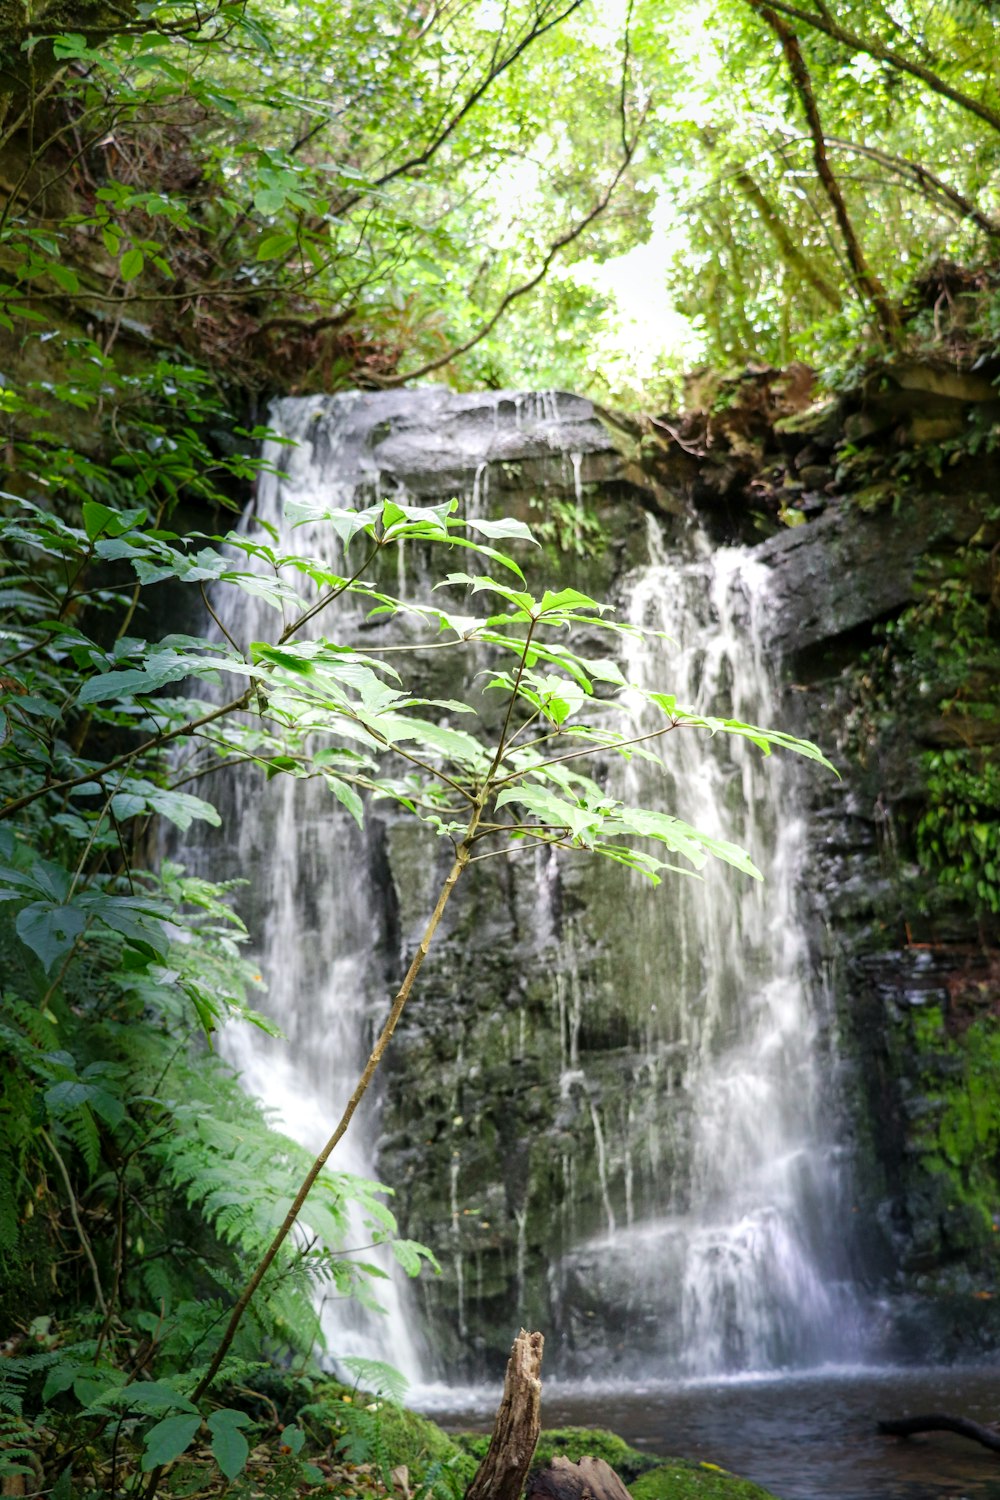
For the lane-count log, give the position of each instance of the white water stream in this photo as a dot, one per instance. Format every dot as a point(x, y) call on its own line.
point(742, 1262)
point(735, 1259)
point(311, 906)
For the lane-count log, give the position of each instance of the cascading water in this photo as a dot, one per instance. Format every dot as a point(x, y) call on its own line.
point(739, 1260)
point(312, 906)
point(701, 1223)
point(320, 920)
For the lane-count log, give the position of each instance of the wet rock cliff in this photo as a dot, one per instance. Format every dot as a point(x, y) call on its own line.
point(523, 1113)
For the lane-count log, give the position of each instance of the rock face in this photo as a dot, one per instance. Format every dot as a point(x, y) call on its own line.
point(536, 1101)
point(433, 442)
point(507, 1158)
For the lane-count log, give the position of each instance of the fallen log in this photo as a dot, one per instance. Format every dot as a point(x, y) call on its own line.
point(502, 1473)
point(590, 1479)
point(937, 1421)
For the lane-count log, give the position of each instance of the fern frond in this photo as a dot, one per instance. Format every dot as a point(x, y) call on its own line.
point(376, 1376)
point(80, 1125)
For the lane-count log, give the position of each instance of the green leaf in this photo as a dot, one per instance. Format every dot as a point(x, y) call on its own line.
point(131, 264)
point(412, 1255)
point(110, 1108)
point(104, 520)
point(568, 599)
point(150, 1396)
point(96, 517)
point(72, 45)
point(50, 930)
point(348, 797)
point(549, 809)
point(270, 200)
point(59, 1379)
point(168, 1440)
point(502, 529)
point(65, 1096)
point(65, 278)
point(273, 246)
point(230, 1448)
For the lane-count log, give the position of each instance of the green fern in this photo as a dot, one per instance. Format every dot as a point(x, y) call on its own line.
point(363, 1440)
point(445, 1479)
point(81, 1127)
point(21, 1377)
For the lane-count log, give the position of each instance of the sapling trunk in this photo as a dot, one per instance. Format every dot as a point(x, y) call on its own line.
point(360, 1089)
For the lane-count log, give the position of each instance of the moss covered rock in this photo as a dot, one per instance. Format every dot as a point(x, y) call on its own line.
point(681, 1480)
point(419, 1443)
point(401, 1437)
point(390, 1432)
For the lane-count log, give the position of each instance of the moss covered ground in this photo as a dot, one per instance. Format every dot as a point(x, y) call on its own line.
point(681, 1480)
point(376, 1436)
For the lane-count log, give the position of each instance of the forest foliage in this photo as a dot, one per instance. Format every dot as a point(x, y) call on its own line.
point(308, 196)
point(203, 206)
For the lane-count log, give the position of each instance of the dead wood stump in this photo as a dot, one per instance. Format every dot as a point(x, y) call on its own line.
point(502, 1473)
point(590, 1479)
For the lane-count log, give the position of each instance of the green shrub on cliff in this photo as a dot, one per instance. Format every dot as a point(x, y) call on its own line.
point(959, 1131)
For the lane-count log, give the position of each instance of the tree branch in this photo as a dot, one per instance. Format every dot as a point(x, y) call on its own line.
point(867, 284)
point(524, 287)
point(924, 180)
point(78, 1222)
point(825, 23)
point(498, 65)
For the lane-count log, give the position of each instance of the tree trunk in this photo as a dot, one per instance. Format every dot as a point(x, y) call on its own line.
point(502, 1473)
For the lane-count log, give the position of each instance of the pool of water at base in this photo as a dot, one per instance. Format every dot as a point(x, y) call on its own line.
point(803, 1436)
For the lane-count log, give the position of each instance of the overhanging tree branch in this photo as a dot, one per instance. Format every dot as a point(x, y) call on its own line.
point(873, 48)
point(868, 285)
point(499, 63)
point(925, 181)
point(524, 287)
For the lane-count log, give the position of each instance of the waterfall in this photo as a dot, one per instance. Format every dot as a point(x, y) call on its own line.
point(698, 1221)
point(319, 902)
point(738, 1262)
point(313, 904)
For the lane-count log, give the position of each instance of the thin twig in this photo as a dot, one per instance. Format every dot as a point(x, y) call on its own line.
point(84, 1241)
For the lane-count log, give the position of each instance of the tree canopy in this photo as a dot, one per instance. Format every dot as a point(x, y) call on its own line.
point(310, 195)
